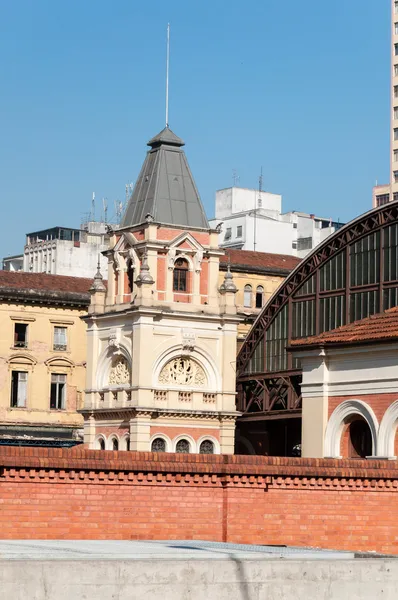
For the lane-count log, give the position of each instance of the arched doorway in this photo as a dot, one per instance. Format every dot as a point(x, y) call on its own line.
point(357, 439)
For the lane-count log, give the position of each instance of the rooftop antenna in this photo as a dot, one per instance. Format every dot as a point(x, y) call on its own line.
point(118, 210)
point(235, 177)
point(257, 204)
point(105, 205)
point(260, 188)
point(93, 207)
point(167, 74)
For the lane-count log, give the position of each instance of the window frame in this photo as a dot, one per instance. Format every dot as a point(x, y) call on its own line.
point(259, 291)
point(62, 347)
point(23, 344)
point(181, 276)
point(16, 388)
point(248, 296)
point(58, 405)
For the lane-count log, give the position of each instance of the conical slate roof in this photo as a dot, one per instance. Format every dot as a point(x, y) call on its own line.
point(165, 187)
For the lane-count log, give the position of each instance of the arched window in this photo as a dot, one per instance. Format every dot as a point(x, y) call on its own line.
point(101, 444)
point(180, 275)
point(130, 275)
point(206, 447)
point(128, 444)
point(115, 444)
point(259, 296)
point(247, 296)
point(183, 447)
point(359, 439)
point(158, 445)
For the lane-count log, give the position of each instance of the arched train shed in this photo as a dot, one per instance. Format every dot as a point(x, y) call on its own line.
point(351, 275)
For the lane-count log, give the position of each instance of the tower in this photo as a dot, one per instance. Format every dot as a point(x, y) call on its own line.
point(394, 102)
point(162, 345)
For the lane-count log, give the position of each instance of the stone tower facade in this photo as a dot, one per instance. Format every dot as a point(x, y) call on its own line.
point(162, 334)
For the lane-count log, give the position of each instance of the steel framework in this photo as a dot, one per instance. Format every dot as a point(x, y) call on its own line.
point(264, 393)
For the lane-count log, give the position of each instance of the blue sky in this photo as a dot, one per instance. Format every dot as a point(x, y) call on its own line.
point(300, 89)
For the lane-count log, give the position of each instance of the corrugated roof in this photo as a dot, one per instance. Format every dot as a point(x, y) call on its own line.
point(165, 187)
point(380, 327)
point(261, 260)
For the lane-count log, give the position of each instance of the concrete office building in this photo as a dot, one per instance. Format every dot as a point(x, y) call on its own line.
point(253, 220)
point(389, 192)
point(63, 251)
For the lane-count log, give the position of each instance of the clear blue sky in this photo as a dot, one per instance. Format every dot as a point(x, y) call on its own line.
point(299, 88)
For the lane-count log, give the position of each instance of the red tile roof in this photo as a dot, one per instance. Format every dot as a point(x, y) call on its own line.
point(380, 327)
point(259, 260)
point(43, 286)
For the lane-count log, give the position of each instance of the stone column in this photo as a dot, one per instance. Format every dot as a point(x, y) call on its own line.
point(140, 432)
point(227, 435)
point(89, 432)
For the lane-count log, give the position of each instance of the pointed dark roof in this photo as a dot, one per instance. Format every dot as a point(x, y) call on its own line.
point(165, 187)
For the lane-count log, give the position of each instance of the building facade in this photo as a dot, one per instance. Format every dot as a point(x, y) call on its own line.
point(350, 389)
point(63, 251)
point(253, 220)
point(389, 192)
point(351, 276)
point(42, 358)
point(257, 275)
point(162, 337)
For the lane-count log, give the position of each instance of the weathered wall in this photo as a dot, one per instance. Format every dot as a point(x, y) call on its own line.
point(83, 494)
point(39, 360)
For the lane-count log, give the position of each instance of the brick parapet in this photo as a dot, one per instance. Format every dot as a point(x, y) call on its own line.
point(80, 464)
point(89, 494)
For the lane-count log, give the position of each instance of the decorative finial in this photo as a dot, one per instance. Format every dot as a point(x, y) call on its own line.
point(145, 275)
point(98, 283)
point(228, 284)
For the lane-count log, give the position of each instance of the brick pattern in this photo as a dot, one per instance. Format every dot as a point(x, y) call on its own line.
point(378, 402)
point(87, 494)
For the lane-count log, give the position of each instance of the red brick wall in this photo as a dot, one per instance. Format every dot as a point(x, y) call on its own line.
point(378, 402)
point(86, 494)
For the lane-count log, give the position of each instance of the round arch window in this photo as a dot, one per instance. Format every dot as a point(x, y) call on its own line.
point(180, 275)
point(101, 444)
point(115, 444)
point(206, 447)
point(247, 296)
point(183, 447)
point(158, 445)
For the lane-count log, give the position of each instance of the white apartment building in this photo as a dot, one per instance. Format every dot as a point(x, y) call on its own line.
point(63, 251)
point(389, 192)
point(253, 220)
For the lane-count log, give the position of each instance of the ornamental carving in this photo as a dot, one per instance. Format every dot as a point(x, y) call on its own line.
point(183, 371)
point(120, 373)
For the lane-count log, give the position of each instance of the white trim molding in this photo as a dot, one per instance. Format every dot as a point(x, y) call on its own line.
point(210, 438)
point(338, 419)
point(163, 437)
point(387, 431)
point(185, 436)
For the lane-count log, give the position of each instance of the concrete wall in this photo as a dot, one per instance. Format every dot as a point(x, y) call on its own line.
point(236, 200)
point(209, 579)
point(83, 494)
point(63, 257)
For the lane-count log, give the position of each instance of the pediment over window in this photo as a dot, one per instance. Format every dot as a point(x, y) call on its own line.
point(20, 358)
point(60, 361)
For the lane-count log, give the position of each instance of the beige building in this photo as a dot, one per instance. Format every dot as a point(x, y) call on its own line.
point(389, 192)
point(42, 358)
point(161, 345)
point(257, 275)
